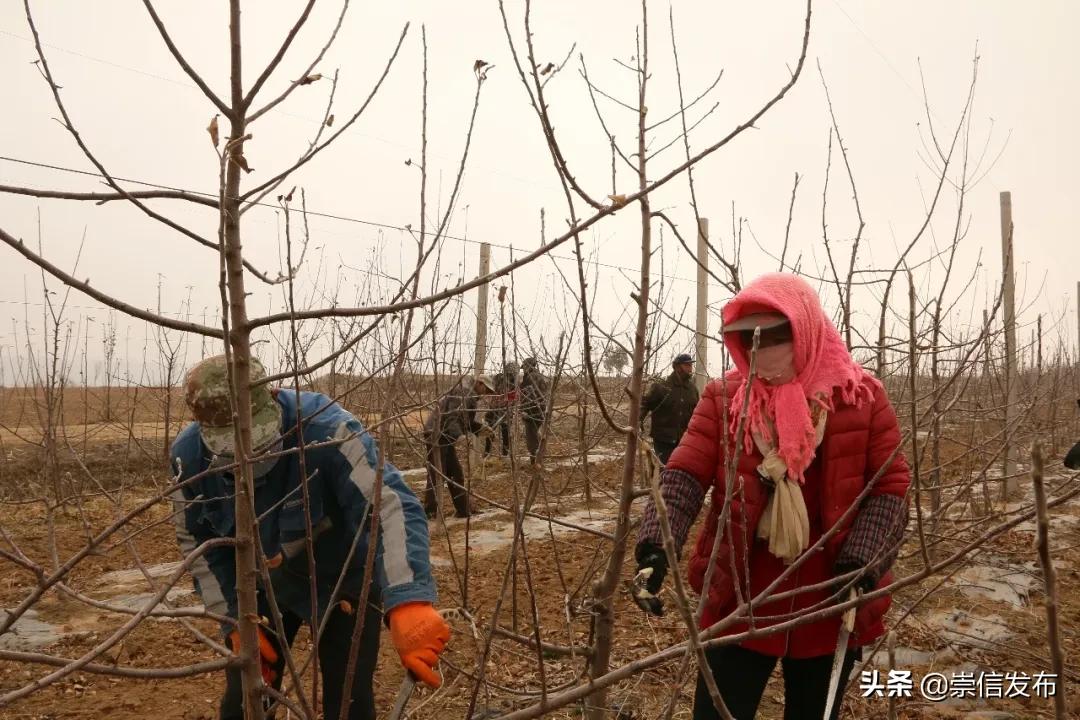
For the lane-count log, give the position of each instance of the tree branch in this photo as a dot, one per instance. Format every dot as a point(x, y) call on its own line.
point(120, 633)
point(84, 287)
point(274, 61)
point(122, 671)
point(70, 127)
point(603, 212)
point(299, 81)
point(539, 104)
point(183, 63)
point(315, 151)
point(102, 198)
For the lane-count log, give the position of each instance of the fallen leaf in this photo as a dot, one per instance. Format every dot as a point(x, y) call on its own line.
point(479, 65)
point(330, 121)
point(547, 68)
point(212, 128)
point(617, 200)
point(240, 160)
point(308, 79)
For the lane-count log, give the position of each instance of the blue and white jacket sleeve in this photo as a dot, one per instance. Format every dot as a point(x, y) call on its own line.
point(214, 572)
point(402, 555)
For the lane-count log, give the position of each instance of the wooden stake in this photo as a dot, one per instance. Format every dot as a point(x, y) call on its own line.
point(1009, 484)
point(480, 356)
point(1038, 348)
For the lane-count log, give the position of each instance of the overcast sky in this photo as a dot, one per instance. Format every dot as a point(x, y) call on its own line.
point(146, 121)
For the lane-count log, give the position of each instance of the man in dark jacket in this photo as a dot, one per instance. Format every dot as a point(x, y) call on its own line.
point(340, 462)
point(670, 402)
point(534, 400)
point(454, 416)
point(1072, 459)
point(498, 418)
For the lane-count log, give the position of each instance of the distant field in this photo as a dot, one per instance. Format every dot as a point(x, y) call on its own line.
point(111, 414)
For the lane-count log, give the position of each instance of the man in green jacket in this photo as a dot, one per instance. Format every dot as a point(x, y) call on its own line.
point(670, 403)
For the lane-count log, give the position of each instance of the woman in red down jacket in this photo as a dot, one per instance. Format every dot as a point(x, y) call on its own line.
point(819, 429)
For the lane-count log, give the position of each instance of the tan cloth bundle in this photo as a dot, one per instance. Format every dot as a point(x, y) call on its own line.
point(785, 523)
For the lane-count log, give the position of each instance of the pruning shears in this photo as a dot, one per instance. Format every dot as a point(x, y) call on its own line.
point(405, 691)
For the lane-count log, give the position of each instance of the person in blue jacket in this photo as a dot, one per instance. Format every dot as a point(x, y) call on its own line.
point(340, 461)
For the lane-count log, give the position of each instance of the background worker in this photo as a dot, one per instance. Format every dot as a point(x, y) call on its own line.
point(498, 418)
point(340, 465)
point(1072, 458)
point(454, 416)
point(534, 400)
point(670, 403)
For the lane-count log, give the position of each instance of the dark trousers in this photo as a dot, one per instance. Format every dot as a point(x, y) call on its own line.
point(741, 676)
point(333, 660)
point(532, 436)
point(664, 450)
point(443, 456)
point(498, 419)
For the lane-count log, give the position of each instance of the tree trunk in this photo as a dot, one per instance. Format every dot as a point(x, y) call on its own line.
point(240, 343)
point(604, 590)
point(1046, 562)
point(583, 448)
point(935, 426)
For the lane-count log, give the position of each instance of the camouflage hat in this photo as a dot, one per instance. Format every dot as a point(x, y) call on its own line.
point(206, 391)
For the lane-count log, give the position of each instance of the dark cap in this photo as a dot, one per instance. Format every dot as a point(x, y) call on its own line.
point(764, 320)
point(682, 358)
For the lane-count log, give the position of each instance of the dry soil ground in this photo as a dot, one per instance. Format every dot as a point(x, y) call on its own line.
point(988, 617)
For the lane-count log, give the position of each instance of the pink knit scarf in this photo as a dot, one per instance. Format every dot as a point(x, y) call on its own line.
point(822, 366)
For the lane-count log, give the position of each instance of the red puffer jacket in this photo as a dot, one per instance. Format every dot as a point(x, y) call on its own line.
point(857, 442)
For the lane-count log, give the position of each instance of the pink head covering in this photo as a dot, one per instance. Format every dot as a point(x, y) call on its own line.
point(822, 365)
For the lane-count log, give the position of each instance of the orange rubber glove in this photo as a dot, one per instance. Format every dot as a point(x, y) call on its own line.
point(420, 635)
point(267, 654)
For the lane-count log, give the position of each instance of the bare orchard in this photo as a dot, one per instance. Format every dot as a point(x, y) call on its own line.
point(980, 608)
point(98, 614)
